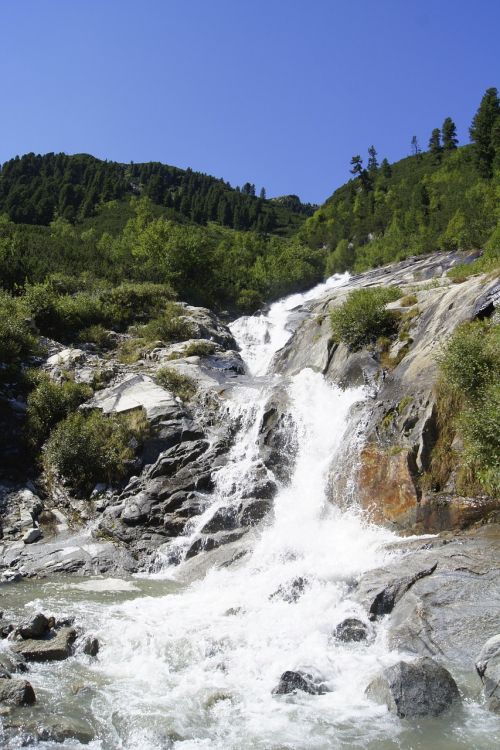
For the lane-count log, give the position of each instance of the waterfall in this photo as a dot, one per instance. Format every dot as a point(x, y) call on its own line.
point(193, 665)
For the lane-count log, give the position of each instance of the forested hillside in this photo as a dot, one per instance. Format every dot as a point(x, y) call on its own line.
point(35, 189)
point(445, 198)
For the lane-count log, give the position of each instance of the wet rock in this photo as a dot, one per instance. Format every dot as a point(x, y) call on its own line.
point(224, 519)
point(16, 692)
point(350, 630)
point(51, 728)
point(36, 627)
point(10, 662)
point(208, 543)
point(385, 600)
point(56, 646)
point(91, 647)
point(488, 669)
point(291, 591)
point(251, 513)
point(292, 682)
point(412, 689)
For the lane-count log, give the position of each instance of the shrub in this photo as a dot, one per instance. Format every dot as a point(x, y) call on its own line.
point(363, 317)
point(90, 448)
point(470, 357)
point(130, 302)
point(171, 326)
point(408, 300)
point(180, 385)
point(50, 402)
point(97, 335)
point(480, 427)
point(17, 340)
point(200, 349)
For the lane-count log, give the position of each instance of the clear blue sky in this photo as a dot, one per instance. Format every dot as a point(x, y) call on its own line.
point(277, 92)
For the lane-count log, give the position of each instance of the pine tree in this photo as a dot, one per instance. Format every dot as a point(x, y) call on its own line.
point(449, 133)
point(435, 144)
point(385, 168)
point(415, 147)
point(262, 194)
point(372, 160)
point(356, 165)
point(481, 131)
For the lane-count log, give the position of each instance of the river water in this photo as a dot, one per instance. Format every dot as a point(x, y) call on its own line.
point(191, 665)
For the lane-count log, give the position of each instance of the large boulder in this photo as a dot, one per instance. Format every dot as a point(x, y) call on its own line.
point(488, 669)
point(132, 392)
point(16, 692)
point(55, 646)
point(413, 689)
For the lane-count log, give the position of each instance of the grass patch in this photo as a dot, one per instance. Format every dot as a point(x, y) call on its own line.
point(180, 385)
point(200, 349)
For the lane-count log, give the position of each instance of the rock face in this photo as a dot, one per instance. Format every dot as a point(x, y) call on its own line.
point(412, 689)
point(401, 421)
point(488, 669)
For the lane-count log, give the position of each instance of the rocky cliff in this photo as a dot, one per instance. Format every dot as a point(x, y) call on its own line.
point(401, 421)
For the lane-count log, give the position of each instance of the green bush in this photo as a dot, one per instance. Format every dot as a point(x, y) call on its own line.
point(131, 302)
point(201, 348)
point(470, 358)
point(180, 385)
point(90, 448)
point(97, 335)
point(363, 318)
point(480, 427)
point(17, 340)
point(50, 402)
point(169, 327)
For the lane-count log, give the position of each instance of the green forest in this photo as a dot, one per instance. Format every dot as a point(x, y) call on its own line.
point(81, 224)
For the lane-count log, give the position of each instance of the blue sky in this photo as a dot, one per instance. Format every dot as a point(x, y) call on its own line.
point(277, 92)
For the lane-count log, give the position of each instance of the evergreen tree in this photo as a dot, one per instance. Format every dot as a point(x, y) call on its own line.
point(372, 160)
point(481, 131)
point(415, 146)
point(385, 168)
point(262, 194)
point(356, 165)
point(449, 133)
point(435, 144)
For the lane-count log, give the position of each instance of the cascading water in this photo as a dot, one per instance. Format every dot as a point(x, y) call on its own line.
point(191, 666)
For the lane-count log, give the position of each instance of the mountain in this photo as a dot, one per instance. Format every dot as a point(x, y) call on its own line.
point(34, 189)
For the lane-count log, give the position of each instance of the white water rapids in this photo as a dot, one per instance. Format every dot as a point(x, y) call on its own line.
point(191, 666)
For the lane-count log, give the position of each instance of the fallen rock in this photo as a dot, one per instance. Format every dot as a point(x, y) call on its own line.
point(488, 669)
point(51, 728)
point(56, 646)
point(291, 682)
point(16, 692)
point(351, 629)
point(385, 600)
point(419, 688)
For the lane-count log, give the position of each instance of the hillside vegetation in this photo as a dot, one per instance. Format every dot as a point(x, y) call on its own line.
point(446, 198)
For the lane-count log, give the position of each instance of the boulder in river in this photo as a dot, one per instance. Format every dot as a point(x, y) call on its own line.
point(291, 682)
point(55, 646)
point(488, 669)
point(351, 629)
point(419, 688)
point(16, 692)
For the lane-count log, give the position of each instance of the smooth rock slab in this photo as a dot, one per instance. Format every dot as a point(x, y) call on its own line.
point(56, 647)
point(16, 692)
point(419, 688)
point(488, 669)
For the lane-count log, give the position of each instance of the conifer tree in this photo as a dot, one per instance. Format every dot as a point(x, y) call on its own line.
point(435, 144)
point(356, 165)
point(481, 131)
point(415, 146)
point(385, 168)
point(449, 133)
point(372, 160)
